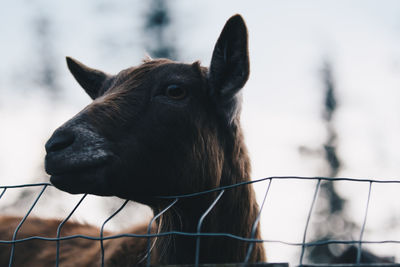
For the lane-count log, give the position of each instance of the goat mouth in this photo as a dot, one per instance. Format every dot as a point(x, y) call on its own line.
point(77, 177)
point(89, 180)
point(61, 168)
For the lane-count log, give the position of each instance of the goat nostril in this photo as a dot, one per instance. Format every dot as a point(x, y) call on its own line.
point(59, 141)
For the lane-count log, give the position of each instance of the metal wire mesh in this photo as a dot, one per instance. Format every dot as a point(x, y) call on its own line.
point(197, 235)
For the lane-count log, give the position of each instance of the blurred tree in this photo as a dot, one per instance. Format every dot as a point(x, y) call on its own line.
point(158, 30)
point(332, 223)
point(46, 71)
point(336, 203)
point(44, 77)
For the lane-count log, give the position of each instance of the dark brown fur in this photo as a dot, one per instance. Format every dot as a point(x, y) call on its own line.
point(74, 252)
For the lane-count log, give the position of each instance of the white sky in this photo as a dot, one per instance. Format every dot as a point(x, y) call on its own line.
point(282, 100)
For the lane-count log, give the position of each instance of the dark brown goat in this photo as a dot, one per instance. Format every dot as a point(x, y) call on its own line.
point(160, 129)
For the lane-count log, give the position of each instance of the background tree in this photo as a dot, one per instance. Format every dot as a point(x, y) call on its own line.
point(158, 30)
point(43, 76)
point(330, 216)
point(46, 75)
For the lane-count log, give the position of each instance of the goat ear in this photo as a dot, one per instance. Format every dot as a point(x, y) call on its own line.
point(91, 80)
point(229, 68)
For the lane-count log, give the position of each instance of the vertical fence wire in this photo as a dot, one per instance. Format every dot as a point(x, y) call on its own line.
point(2, 192)
point(303, 246)
point(363, 225)
point(61, 225)
point(149, 230)
point(102, 230)
point(20, 224)
point(197, 256)
point(255, 226)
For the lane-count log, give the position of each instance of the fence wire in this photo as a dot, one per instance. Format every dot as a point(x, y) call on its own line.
point(174, 199)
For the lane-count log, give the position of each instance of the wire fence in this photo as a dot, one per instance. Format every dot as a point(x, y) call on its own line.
point(198, 234)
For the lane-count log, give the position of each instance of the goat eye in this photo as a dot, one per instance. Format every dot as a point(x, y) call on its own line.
point(175, 92)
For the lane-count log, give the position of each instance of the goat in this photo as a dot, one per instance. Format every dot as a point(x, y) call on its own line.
point(158, 129)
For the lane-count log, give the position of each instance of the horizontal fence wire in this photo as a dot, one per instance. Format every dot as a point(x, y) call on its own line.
point(198, 234)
